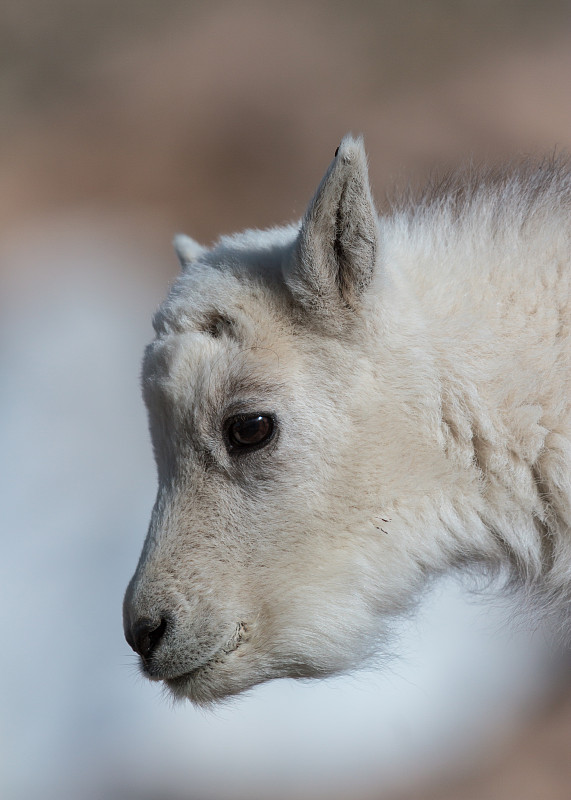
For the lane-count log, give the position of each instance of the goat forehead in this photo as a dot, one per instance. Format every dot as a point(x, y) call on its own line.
point(197, 366)
point(168, 356)
point(181, 365)
point(207, 292)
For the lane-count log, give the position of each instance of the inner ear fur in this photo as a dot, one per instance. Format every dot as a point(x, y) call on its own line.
point(338, 244)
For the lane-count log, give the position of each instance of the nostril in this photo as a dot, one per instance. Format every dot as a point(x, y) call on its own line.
point(145, 635)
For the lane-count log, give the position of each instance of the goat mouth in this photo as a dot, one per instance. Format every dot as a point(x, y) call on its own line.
point(178, 683)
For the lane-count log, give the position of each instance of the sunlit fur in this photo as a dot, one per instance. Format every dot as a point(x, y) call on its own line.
point(418, 368)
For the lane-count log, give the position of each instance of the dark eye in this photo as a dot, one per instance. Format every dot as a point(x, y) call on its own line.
point(250, 432)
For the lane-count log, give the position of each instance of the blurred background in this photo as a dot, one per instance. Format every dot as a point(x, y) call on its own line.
point(124, 121)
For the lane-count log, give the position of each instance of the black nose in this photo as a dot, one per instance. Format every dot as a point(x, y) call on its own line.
point(145, 634)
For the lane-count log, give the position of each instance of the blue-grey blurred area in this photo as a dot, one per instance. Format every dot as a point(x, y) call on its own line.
point(123, 122)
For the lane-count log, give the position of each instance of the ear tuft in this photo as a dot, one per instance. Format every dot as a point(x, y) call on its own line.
point(187, 249)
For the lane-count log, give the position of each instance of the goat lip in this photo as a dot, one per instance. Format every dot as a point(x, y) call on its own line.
point(176, 682)
point(157, 674)
point(150, 672)
point(218, 657)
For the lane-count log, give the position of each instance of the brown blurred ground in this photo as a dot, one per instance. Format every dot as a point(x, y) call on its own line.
point(209, 117)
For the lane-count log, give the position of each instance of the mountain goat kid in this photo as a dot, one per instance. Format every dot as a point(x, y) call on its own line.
point(344, 407)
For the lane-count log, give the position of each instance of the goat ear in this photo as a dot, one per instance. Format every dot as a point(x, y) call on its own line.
point(186, 249)
point(338, 244)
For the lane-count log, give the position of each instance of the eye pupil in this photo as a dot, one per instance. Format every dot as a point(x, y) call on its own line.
point(251, 431)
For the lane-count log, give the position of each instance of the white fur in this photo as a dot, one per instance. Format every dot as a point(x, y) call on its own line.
point(418, 368)
point(186, 249)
